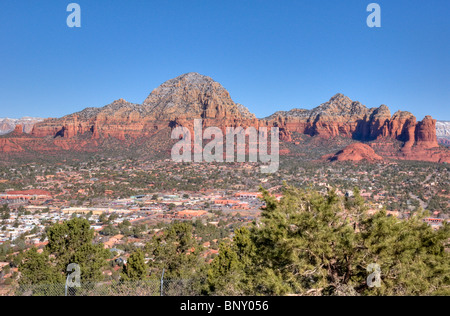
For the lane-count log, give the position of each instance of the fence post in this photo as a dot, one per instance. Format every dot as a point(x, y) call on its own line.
point(162, 283)
point(65, 288)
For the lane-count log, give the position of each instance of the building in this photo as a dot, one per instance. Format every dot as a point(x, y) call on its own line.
point(248, 195)
point(226, 202)
point(35, 195)
point(94, 210)
point(189, 214)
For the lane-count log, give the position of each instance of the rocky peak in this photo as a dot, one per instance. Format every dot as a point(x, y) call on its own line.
point(339, 98)
point(403, 115)
point(116, 106)
point(382, 112)
point(300, 113)
point(119, 101)
point(193, 95)
point(340, 106)
point(119, 104)
point(245, 111)
point(180, 100)
point(383, 109)
point(193, 78)
point(180, 85)
point(337, 102)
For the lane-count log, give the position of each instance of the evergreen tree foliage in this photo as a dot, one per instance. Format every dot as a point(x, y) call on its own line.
point(311, 244)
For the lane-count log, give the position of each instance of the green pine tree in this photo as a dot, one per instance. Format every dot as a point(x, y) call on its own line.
point(135, 269)
point(311, 244)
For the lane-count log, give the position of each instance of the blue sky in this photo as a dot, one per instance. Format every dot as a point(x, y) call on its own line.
point(270, 55)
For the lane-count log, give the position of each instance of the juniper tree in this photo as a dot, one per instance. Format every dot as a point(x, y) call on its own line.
point(135, 268)
point(68, 242)
point(314, 244)
point(176, 251)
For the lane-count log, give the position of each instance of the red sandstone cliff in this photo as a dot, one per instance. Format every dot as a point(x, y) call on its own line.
point(179, 101)
point(343, 117)
point(356, 152)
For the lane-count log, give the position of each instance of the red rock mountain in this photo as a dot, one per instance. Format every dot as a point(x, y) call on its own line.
point(356, 152)
point(179, 101)
point(176, 102)
point(342, 117)
point(7, 125)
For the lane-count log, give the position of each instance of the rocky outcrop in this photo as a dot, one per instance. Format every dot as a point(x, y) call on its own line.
point(343, 117)
point(18, 129)
point(176, 102)
point(340, 116)
point(426, 133)
point(402, 127)
point(194, 96)
point(10, 146)
point(7, 125)
point(179, 101)
point(355, 152)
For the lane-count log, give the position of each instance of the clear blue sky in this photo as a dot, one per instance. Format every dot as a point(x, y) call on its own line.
point(270, 55)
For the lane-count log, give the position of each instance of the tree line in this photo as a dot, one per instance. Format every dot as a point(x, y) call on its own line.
point(306, 244)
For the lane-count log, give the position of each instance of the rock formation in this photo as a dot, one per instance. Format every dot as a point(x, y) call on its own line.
point(355, 152)
point(176, 102)
point(7, 125)
point(179, 101)
point(343, 117)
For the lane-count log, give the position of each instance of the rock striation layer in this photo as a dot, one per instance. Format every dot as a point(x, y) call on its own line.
point(343, 117)
point(179, 101)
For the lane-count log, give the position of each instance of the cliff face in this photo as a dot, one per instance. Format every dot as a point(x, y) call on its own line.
point(426, 133)
point(7, 125)
point(179, 101)
point(343, 117)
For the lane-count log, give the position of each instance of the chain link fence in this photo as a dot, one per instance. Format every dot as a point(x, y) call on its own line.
point(115, 288)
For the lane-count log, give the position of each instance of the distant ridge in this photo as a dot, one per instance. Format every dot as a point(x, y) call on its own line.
point(443, 132)
point(122, 125)
point(7, 125)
